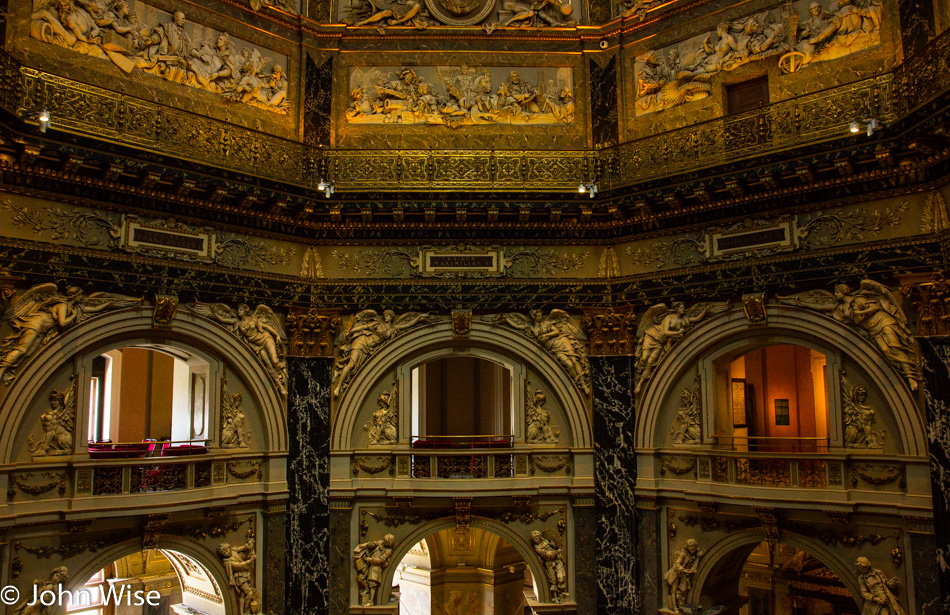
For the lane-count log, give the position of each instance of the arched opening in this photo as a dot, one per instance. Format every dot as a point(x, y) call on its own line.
point(760, 578)
point(152, 400)
point(773, 399)
point(461, 400)
point(149, 582)
point(473, 572)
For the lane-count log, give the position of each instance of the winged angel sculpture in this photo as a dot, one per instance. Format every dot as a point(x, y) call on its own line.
point(558, 334)
point(368, 332)
point(661, 327)
point(42, 313)
point(873, 310)
point(261, 330)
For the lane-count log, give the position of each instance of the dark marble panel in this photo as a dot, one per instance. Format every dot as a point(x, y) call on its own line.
point(917, 24)
point(308, 478)
point(926, 575)
point(319, 10)
point(604, 126)
point(317, 99)
point(648, 525)
point(936, 357)
point(275, 553)
point(598, 11)
point(615, 476)
point(585, 559)
point(341, 561)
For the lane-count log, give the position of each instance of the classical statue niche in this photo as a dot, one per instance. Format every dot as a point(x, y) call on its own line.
point(538, 428)
point(872, 310)
point(382, 14)
point(461, 95)
point(238, 562)
point(801, 33)
point(57, 424)
point(366, 334)
point(859, 418)
point(260, 330)
point(679, 578)
point(235, 432)
point(370, 558)
point(168, 46)
point(661, 327)
point(879, 592)
point(41, 314)
point(549, 548)
point(687, 427)
point(382, 428)
point(28, 606)
point(559, 335)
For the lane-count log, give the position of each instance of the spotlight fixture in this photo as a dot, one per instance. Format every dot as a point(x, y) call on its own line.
point(590, 188)
point(326, 187)
point(43, 117)
point(870, 125)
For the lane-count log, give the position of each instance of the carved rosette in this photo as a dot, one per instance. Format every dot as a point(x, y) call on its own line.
point(311, 332)
point(610, 332)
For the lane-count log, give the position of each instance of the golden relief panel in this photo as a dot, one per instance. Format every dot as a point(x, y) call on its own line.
point(137, 37)
point(799, 33)
point(461, 95)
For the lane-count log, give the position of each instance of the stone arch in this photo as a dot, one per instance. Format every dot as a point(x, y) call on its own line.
point(204, 556)
point(712, 338)
point(520, 544)
point(187, 329)
point(438, 337)
point(748, 538)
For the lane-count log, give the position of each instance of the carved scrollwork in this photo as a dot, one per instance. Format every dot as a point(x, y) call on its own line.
point(23, 482)
point(242, 470)
point(669, 464)
point(549, 464)
point(372, 465)
point(879, 475)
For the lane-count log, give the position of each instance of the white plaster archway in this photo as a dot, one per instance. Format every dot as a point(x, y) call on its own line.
point(431, 339)
point(753, 536)
point(136, 323)
point(795, 325)
point(517, 541)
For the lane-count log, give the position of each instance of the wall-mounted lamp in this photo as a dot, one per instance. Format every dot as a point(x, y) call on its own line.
point(326, 187)
point(869, 125)
point(43, 117)
point(590, 188)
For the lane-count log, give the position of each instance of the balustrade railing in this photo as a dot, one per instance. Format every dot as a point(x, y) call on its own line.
point(453, 463)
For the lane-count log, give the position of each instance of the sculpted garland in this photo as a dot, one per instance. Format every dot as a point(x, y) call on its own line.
point(111, 30)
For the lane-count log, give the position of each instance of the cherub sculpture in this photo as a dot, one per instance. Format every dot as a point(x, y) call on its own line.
point(382, 428)
point(661, 327)
point(537, 418)
point(364, 336)
point(57, 425)
point(558, 334)
point(858, 418)
point(880, 318)
point(40, 314)
point(261, 330)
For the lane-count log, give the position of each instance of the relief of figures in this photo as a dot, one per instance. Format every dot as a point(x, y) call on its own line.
point(859, 417)
point(235, 432)
point(660, 328)
point(260, 329)
point(687, 427)
point(40, 314)
point(538, 428)
point(684, 73)
point(57, 423)
point(172, 48)
point(458, 96)
point(382, 428)
point(873, 310)
point(421, 14)
point(558, 334)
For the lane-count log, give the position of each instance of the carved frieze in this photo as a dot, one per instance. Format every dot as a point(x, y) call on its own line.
point(383, 14)
point(460, 95)
point(138, 37)
point(684, 73)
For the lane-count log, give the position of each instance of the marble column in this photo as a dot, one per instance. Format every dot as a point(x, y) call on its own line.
point(585, 559)
point(308, 478)
point(935, 352)
point(341, 561)
point(275, 554)
point(604, 122)
point(316, 108)
point(615, 474)
point(917, 24)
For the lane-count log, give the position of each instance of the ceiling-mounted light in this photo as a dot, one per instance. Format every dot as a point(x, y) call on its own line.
point(581, 188)
point(43, 116)
point(855, 127)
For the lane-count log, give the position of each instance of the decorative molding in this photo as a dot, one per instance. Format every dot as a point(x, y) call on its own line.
point(549, 464)
point(311, 331)
point(23, 482)
point(461, 324)
point(754, 307)
point(373, 465)
point(164, 312)
point(879, 475)
point(242, 470)
point(932, 303)
point(669, 464)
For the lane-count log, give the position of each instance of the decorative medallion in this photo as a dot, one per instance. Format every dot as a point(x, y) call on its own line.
point(460, 12)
